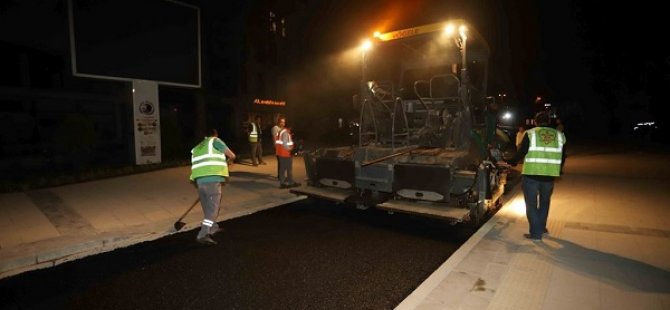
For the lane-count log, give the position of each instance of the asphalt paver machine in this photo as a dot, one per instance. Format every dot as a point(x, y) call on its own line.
point(420, 145)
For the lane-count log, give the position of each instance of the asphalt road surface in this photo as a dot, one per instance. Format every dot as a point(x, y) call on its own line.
point(306, 255)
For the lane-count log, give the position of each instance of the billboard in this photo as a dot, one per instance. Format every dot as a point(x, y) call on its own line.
point(153, 40)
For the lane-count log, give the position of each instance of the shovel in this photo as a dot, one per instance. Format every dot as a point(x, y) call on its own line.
point(179, 224)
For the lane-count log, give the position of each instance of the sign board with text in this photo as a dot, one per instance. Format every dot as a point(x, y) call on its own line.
point(146, 120)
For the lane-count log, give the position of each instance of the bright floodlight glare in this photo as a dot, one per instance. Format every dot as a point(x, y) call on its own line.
point(366, 45)
point(462, 30)
point(507, 115)
point(449, 29)
point(377, 34)
point(517, 207)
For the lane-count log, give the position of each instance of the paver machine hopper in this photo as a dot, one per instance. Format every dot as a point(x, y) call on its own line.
point(420, 146)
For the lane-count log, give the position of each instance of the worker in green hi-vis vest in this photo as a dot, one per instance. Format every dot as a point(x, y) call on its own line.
point(543, 153)
point(209, 170)
point(255, 134)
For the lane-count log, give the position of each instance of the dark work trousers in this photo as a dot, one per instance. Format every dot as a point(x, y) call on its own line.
point(256, 152)
point(286, 170)
point(277, 167)
point(535, 191)
point(210, 199)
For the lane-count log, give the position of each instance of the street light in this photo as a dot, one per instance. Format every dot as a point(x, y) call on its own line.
point(366, 45)
point(449, 30)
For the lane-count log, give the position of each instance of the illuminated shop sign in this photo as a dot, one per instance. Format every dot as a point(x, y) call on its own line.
point(269, 102)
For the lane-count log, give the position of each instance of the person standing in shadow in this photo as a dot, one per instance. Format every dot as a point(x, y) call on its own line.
point(255, 134)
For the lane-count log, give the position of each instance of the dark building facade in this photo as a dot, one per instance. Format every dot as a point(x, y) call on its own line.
point(50, 118)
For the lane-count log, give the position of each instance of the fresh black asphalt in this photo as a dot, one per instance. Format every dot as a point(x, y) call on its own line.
point(306, 255)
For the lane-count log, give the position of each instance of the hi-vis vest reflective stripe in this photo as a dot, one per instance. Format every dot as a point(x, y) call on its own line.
point(280, 149)
point(545, 152)
point(207, 160)
point(253, 135)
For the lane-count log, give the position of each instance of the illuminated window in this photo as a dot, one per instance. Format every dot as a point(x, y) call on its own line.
point(273, 22)
point(283, 27)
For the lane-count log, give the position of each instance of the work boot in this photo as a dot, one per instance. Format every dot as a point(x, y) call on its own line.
point(206, 240)
point(533, 238)
point(215, 229)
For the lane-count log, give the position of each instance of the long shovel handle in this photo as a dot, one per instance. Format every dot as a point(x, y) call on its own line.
point(189, 209)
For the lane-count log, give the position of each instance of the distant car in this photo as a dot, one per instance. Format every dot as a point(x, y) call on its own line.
point(644, 129)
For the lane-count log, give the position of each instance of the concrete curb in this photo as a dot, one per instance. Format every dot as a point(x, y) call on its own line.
point(419, 295)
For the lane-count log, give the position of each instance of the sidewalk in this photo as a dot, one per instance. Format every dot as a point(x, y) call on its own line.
point(44, 228)
point(608, 248)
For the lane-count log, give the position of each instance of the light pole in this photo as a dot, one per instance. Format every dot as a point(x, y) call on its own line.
point(462, 31)
point(461, 41)
point(365, 47)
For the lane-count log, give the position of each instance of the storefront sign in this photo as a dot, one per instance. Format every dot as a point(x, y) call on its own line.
point(146, 115)
point(269, 102)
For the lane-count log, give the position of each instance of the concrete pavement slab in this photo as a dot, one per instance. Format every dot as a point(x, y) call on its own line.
point(51, 226)
point(607, 248)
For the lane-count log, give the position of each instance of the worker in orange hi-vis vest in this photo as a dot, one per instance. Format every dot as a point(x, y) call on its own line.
point(283, 148)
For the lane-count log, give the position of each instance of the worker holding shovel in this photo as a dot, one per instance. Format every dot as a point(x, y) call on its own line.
point(209, 170)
